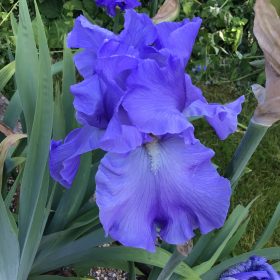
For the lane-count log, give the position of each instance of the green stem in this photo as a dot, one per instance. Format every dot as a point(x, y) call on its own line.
point(117, 21)
point(244, 152)
point(171, 265)
point(154, 8)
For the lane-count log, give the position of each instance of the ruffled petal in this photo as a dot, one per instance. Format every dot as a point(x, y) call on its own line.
point(156, 98)
point(139, 30)
point(85, 62)
point(167, 187)
point(178, 37)
point(87, 35)
point(65, 156)
point(89, 103)
point(223, 118)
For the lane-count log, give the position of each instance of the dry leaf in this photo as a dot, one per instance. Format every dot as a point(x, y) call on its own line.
point(267, 32)
point(168, 11)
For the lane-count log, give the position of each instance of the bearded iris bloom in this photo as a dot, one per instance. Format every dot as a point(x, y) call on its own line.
point(111, 5)
point(135, 103)
point(255, 268)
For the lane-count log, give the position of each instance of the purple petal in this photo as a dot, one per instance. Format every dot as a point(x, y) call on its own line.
point(139, 30)
point(223, 118)
point(87, 35)
point(156, 98)
point(89, 103)
point(111, 5)
point(65, 156)
point(178, 37)
point(256, 275)
point(85, 62)
point(193, 93)
point(120, 135)
point(165, 184)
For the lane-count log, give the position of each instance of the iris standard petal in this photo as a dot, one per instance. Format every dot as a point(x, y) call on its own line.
point(156, 98)
point(164, 186)
point(223, 118)
point(65, 156)
point(139, 30)
point(178, 37)
point(87, 35)
point(111, 5)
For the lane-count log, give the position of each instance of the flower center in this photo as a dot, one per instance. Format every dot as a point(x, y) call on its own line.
point(153, 150)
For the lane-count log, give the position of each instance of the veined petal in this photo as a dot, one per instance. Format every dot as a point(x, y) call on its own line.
point(65, 156)
point(87, 35)
point(166, 185)
point(156, 98)
point(223, 118)
point(178, 37)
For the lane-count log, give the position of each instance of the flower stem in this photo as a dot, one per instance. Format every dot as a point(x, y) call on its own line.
point(244, 152)
point(179, 254)
point(117, 21)
point(171, 265)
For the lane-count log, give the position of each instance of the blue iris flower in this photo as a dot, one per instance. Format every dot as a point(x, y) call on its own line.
point(135, 103)
point(111, 5)
point(255, 268)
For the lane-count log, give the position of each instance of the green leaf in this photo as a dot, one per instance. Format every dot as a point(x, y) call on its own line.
point(276, 5)
point(72, 252)
point(219, 237)
point(72, 199)
point(27, 65)
point(51, 242)
point(58, 119)
point(9, 247)
point(159, 258)
point(215, 272)
point(34, 187)
point(132, 272)
point(268, 232)
point(276, 266)
point(54, 277)
point(14, 109)
point(6, 73)
point(82, 251)
point(11, 193)
point(226, 233)
point(235, 239)
point(69, 79)
point(199, 248)
point(4, 147)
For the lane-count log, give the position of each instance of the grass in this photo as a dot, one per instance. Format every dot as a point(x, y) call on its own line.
point(263, 180)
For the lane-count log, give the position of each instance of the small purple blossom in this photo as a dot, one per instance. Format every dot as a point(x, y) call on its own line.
point(255, 268)
point(112, 5)
point(135, 103)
